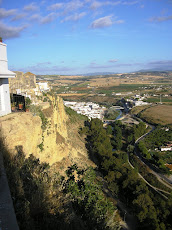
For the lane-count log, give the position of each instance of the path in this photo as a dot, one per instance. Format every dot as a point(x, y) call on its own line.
point(159, 176)
point(163, 179)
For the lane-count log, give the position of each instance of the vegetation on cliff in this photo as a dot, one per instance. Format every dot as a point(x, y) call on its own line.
point(45, 200)
point(151, 210)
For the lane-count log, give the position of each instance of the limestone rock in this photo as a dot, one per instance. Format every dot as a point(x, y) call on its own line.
point(50, 145)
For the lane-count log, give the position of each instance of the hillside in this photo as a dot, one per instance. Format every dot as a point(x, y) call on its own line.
point(46, 163)
point(47, 139)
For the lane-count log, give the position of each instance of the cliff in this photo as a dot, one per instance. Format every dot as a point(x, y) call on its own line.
point(50, 144)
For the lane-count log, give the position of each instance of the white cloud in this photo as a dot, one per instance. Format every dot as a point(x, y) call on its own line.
point(161, 19)
point(119, 22)
point(11, 32)
point(159, 63)
point(43, 20)
point(94, 65)
point(18, 17)
point(102, 22)
point(6, 13)
point(130, 2)
point(105, 22)
point(47, 19)
point(97, 4)
point(113, 60)
point(55, 6)
point(46, 67)
point(31, 7)
point(35, 17)
point(74, 17)
point(73, 5)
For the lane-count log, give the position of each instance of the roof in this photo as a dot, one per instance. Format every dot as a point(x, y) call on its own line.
point(5, 73)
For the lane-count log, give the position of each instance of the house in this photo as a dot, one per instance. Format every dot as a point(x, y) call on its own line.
point(43, 86)
point(5, 74)
point(168, 147)
point(165, 149)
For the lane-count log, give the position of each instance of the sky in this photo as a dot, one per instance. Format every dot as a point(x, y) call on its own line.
point(86, 36)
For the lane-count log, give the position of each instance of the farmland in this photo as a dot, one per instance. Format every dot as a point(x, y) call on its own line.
point(160, 114)
point(111, 88)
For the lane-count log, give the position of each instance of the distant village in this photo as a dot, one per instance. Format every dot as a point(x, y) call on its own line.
point(89, 109)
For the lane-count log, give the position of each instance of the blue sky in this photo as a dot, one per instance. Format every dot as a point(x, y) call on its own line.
point(86, 36)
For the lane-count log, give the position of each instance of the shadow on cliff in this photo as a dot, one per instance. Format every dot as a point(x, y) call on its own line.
point(35, 205)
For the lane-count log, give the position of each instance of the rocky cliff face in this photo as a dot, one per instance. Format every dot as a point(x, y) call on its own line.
point(51, 144)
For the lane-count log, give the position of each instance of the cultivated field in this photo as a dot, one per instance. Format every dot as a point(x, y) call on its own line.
point(110, 88)
point(160, 114)
point(104, 82)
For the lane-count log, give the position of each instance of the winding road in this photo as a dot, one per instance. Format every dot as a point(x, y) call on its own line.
point(163, 179)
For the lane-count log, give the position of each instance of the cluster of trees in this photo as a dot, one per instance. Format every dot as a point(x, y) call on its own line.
point(117, 135)
point(143, 150)
point(135, 132)
point(111, 114)
point(158, 138)
point(151, 210)
point(98, 142)
point(88, 200)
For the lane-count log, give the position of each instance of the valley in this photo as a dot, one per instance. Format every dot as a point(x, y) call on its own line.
point(86, 170)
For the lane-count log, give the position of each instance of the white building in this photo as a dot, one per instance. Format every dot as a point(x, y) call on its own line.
point(89, 109)
point(43, 86)
point(5, 104)
point(166, 148)
point(140, 103)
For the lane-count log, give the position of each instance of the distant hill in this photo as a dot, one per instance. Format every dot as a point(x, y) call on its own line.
point(97, 73)
point(160, 69)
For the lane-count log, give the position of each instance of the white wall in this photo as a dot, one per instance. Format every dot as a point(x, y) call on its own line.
point(43, 85)
point(5, 105)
